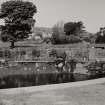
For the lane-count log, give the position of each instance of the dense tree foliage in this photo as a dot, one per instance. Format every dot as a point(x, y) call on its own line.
point(100, 36)
point(68, 33)
point(18, 17)
point(74, 28)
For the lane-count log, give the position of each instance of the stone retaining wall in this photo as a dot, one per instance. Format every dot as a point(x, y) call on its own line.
point(84, 53)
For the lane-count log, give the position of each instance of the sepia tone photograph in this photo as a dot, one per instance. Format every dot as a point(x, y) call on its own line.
point(52, 52)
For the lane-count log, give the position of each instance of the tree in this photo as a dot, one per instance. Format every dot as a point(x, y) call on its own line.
point(69, 32)
point(18, 17)
point(73, 28)
point(58, 34)
point(73, 31)
point(100, 36)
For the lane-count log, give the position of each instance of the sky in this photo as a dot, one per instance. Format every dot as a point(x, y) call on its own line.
point(90, 12)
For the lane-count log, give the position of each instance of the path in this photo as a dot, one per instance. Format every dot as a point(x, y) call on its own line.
point(90, 92)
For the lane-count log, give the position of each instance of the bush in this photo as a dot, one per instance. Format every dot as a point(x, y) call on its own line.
point(7, 54)
point(64, 39)
point(35, 53)
point(57, 54)
point(100, 39)
point(72, 39)
point(22, 52)
point(95, 68)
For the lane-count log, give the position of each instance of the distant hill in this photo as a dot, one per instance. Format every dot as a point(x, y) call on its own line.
point(42, 29)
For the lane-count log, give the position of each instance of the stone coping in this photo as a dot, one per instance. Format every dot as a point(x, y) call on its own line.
point(52, 86)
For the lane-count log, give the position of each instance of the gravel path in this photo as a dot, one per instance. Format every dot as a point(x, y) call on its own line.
point(78, 93)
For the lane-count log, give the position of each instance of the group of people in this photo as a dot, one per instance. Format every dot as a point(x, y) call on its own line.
point(65, 64)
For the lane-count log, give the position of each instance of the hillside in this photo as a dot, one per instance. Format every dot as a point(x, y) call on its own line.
point(42, 29)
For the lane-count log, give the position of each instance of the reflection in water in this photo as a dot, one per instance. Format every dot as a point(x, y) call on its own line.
point(26, 75)
point(14, 81)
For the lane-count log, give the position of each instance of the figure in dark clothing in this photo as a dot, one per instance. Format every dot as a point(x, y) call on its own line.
point(72, 65)
point(59, 63)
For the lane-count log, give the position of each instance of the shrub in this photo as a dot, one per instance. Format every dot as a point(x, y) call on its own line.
point(7, 54)
point(22, 52)
point(72, 39)
point(63, 39)
point(57, 54)
point(35, 53)
point(95, 68)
